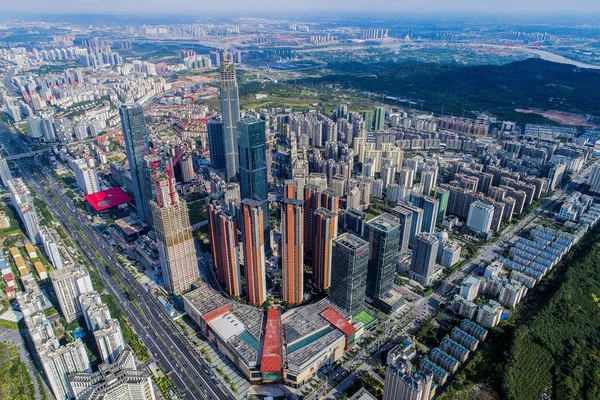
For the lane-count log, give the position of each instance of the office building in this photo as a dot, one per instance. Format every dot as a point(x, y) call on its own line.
point(85, 175)
point(379, 119)
point(174, 236)
point(69, 284)
point(423, 262)
point(430, 207)
point(403, 383)
point(349, 265)
point(404, 216)
point(224, 246)
point(216, 144)
point(325, 232)
point(384, 242)
point(230, 112)
point(135, 135)
point(442, 195)
point(480, 216)
point(450, 255)
point(254, 251)
point(354, 221)
point(416, 221)
point(292, 249)
point(253, 166)
point(121, 380)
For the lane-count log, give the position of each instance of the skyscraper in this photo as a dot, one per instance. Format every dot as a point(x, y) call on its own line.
point(292, 250)
point(430, 207)
point(216, 144)
point(379, 119)
point(325, 231)
point(425, 251)
point(224, 246)
point(252, 145)
point(174, 236)
point(404, 216)
point(312, 201)
point(254, 251)
point(136, 143)
point(349, 265)
point(384, 242)
point(230, 111)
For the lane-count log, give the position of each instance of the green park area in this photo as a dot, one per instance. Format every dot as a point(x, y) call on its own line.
point(15, 381)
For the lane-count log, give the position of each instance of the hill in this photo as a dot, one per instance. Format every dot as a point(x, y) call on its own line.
point(458, 89)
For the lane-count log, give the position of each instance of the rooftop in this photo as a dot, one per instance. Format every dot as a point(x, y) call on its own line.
point(384, 222)
point(108, 198)
point(338, 321)
point(350, 241)
point(271, 355)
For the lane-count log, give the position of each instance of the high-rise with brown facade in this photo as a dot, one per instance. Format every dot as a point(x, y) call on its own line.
point(254, 251)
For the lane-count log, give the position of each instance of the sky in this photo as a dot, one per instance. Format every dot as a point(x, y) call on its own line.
point(236, 7)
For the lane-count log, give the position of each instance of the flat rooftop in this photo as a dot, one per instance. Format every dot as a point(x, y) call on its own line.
point(350, 241)
point(384, 222)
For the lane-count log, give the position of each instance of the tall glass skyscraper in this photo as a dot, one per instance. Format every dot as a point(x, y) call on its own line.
point(252, 144)
point(349, 264)
point(384, 242)
point(230, 111)
point(216, 145)
point(135, 135)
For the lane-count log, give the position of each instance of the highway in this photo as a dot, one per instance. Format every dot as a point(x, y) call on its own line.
point(190, 374)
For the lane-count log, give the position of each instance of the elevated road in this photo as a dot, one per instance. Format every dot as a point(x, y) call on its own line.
point(192, 376)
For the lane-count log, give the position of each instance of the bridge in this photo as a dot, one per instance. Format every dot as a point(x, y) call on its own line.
point(28, 154)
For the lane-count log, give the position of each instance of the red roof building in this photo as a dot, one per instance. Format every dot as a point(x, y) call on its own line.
point(341, 324)
point(108, 198)
point(271, 361)
point(216, 313)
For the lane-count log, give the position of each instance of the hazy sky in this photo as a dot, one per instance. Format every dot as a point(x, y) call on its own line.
point(275, 6)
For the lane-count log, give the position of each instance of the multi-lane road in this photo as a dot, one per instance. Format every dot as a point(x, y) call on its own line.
point(192, 376)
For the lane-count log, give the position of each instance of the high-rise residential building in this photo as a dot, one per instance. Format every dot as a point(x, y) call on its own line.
point(401, 383)
point(428, 179)
point(292, 249)
point(224, 246)
point(254, 251)
point(216, 144)
point(107, 331)
point(173, 236)
point(480, 216)
point(312, 201)
point(349, 265)
point(424, 254)
point(69, 284)
point(121, 380)
point(4, 171)
point(135, 135)
point(230, 112)
point(379, 119)
point(594, 180)
point(325, 231)
point(85, 175)
point(384, 242)
point(22, 200)
point(60, 361)
point(252, 144)
point(430, 207)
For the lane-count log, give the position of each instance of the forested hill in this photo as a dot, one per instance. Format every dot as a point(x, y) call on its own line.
point(532, 83)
